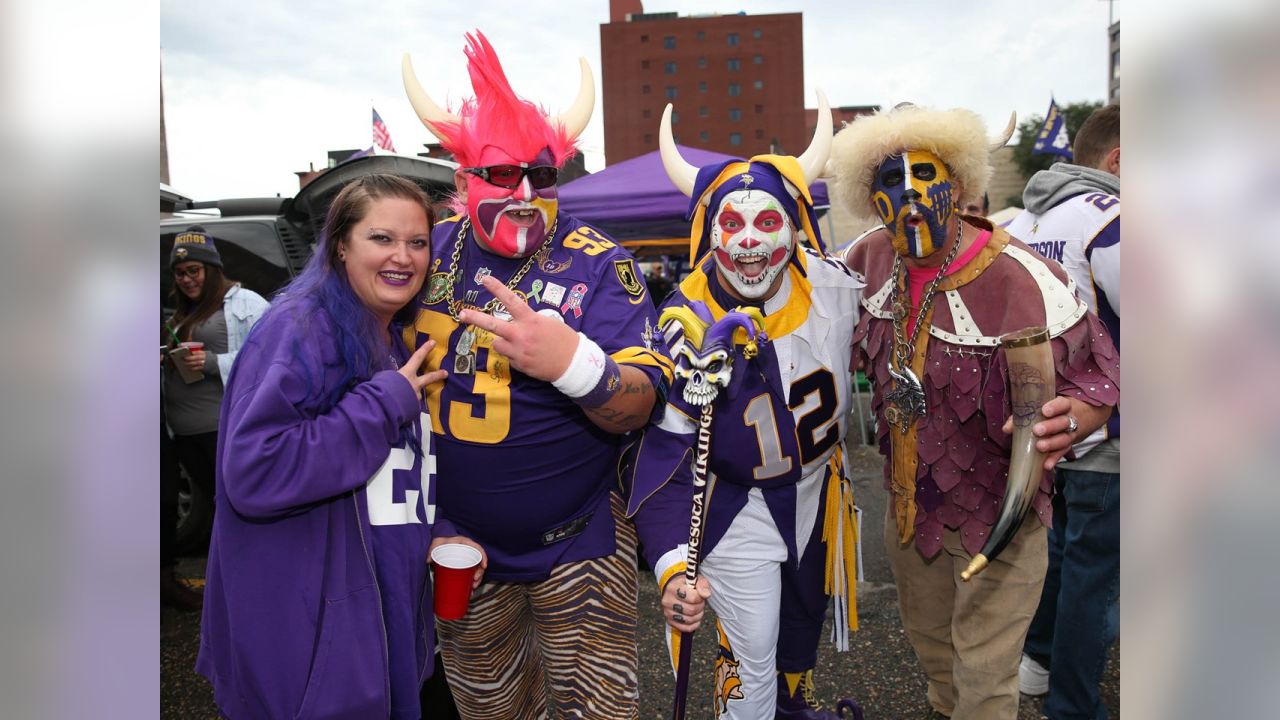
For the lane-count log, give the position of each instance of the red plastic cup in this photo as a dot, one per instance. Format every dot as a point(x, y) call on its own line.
point(455, 567)
point(180, 354)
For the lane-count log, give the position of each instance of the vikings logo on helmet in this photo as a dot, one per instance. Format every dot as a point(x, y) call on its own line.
point(728, 683)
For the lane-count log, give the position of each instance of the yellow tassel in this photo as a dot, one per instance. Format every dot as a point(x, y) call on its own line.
point(840, 533)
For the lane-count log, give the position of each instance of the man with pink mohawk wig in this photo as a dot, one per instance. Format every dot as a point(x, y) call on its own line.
point(546, 329)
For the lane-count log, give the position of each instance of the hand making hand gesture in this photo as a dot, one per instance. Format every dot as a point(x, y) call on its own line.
point(537, 345)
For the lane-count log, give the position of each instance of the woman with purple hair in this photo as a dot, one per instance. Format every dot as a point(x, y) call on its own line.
point(318, 599)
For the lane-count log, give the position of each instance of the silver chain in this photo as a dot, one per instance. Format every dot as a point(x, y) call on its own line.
point(455, 305)
point(904, 351)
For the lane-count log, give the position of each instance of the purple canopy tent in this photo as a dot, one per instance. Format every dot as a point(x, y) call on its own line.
point(635, 201)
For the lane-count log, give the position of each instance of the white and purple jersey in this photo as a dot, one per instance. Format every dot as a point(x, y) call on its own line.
point(775, 426)
point(521, 468)
point(1083, 234)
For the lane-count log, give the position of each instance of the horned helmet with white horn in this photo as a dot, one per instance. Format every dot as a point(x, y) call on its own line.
point(751, 213)
point(914, 166)
point(510, 150)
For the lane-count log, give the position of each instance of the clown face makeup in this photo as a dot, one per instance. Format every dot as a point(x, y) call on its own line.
point(913, 195)
point(753, 239)
point(511, 222)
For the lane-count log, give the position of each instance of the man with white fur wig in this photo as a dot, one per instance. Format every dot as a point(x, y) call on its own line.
point(941, 289)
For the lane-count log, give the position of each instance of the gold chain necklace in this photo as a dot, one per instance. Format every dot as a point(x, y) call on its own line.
point(905, 402)
point(464, 361)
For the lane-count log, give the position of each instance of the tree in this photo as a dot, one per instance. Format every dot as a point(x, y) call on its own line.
point(1029, 129)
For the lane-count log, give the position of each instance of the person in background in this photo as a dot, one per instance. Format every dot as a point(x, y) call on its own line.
point(546, 327)
point(659, 286)
point(1073, 216)
point(977, 206)
point(318, 599)
point(942, 287)
point(173, 592)
point(218, 312)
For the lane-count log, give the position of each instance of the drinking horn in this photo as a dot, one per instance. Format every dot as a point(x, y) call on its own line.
point(1031, 385)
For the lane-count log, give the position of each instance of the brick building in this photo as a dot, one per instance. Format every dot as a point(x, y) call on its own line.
point(736, 81)
point(840, 116)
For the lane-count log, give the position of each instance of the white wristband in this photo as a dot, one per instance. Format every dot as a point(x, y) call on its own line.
point(584, 370)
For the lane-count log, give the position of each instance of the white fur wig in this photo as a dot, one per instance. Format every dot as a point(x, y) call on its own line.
point(958, 137)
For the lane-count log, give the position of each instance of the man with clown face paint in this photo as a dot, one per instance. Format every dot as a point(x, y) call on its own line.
point(546, 331)
point(941, 290)
point(780, 528)
point(753, 241)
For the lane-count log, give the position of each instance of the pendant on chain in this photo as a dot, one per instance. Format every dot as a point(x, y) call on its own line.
point(464, 360)
point(906, 399)
point(438, 287)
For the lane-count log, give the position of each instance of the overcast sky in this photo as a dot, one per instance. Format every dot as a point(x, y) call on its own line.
point(255, 90)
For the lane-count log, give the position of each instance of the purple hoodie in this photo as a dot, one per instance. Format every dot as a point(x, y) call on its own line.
point(317, 602)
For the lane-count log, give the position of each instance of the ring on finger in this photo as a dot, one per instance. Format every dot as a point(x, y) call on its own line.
point(1072, 425)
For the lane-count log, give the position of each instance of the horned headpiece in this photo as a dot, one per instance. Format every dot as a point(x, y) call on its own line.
point(496, 115)
point(958, 137)
point(785, 177)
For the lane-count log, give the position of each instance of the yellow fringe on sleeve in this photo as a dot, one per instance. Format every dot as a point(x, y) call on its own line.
point(840, 533)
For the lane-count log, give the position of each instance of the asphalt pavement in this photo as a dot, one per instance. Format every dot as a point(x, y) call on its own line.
point(880, 670)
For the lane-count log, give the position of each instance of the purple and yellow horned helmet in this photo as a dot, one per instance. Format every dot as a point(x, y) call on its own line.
point(704, 360)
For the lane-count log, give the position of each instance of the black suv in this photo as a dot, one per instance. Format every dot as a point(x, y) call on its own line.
point(263, 243)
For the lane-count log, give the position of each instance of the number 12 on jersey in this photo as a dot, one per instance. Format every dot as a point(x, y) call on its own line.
point(813, 403)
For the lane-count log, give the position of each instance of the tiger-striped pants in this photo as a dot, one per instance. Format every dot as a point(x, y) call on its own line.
point(572, 635)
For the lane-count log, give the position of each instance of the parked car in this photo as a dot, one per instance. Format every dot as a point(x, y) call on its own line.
point(263, 243)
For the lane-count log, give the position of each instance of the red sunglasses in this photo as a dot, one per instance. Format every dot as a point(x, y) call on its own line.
point(510, 176)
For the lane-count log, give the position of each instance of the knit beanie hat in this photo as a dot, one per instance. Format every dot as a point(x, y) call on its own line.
point(194, 244)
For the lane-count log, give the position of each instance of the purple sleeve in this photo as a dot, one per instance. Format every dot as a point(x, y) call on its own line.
point(443, 528)
point(276, 456)
point(621, 319)
point(658, 477)
point(660, 489)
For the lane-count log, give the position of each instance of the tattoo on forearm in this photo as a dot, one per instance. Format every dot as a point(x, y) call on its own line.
point(623, 415)
point(616, 418)
point(636, 389)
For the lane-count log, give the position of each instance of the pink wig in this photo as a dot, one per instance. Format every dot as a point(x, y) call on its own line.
point(497, 117)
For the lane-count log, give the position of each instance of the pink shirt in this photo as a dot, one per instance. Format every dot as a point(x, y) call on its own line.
point(918, 278)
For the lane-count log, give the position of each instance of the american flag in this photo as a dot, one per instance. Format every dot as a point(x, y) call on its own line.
point(381, 137)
